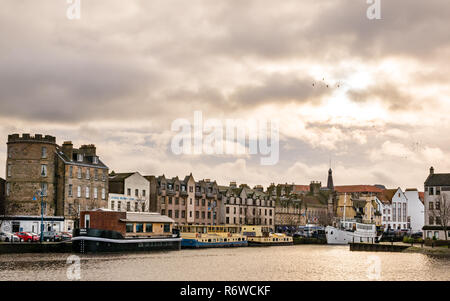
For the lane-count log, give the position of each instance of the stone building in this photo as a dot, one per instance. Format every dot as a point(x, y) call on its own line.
point(70, 179)
point(82, 181)
point(175, 198)
point(31, 167)
point(245, 206)
point(129, 192)
point(2, 196)
point(437, 205)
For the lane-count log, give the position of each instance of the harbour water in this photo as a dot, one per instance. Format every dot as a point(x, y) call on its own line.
point(300, 262)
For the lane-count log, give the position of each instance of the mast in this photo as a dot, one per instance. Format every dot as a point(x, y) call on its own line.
point(345, 203)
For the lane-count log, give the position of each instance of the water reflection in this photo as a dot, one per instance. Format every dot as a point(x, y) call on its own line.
point(307, 262)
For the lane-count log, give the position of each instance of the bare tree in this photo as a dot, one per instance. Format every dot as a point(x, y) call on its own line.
point(441, 213)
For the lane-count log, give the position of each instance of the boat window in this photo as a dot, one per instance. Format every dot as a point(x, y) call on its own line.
point(139, 228)
point(148, 228)
point(331, 232)
point(129, 228)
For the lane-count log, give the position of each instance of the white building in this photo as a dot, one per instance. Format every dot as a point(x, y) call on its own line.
point(129, 192)
point(394, 210)
point(437, 205)
point(416, 210)
point(32, 224)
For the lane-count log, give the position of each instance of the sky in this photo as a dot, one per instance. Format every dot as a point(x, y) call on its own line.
point(369, 96)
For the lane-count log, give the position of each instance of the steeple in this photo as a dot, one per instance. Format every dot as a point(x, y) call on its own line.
point(330, 180)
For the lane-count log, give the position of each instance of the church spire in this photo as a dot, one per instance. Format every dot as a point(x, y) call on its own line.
point(330, 184)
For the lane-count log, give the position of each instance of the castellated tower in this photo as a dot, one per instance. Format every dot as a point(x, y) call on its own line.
point(30, 167)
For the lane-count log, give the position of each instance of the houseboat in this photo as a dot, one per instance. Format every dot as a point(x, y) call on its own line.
point(262, 236)
point(200, 236)
point(111, 231)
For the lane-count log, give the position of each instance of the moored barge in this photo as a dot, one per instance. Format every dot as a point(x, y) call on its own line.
point(110, 231)
point(198, 236)
point(261, 236)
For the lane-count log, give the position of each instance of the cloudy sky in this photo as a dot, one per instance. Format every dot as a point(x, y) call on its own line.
point(121, 74)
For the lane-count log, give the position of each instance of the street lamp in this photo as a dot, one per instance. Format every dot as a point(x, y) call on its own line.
point(41, 193)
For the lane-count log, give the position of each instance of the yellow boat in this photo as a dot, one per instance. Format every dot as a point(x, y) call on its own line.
point(200, 236)
point(261, 236)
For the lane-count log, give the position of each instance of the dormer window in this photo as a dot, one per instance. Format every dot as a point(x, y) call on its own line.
point(79, 157)
point(95, 160)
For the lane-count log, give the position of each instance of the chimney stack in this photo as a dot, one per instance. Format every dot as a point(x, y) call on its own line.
point(431, 170)
point(67, 149)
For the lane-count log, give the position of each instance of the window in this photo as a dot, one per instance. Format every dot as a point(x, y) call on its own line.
point(44, 153)
point(88, 174)
point(166, 227)
point(104, 176)
point(177, 213)
point(183, 214)
point(88, 193)
point(139, 228)
point(438, 205)
point(129, 228)
point(112, 205)
point(95, 160)
point(438, 190)
point(136, 192)
point(170, 213)
point(8, 189)
point(43, 170)
point(87, 221)
point(79, 157)
point(79, 173)
point(79, 191)
point(177, 201)
point(95, 193)
point(203, 214)
point(103, 194)
point(228, 210)
point(143, 207)
point(70, 171)
point(128, 191)
point(119, 206)
point(9, 170)
point(430, 190)
point(148, 228)
point(430, 220)
point(170, 200)
point(96, 174)
point(163, 212)
point(431, 206)
point(143, 192)
point(191, 189)
point(128, 206)
point(197, 214)
point(70, 189)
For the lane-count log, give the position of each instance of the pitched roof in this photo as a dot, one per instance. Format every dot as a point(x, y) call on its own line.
point(438, 179)
point(386, 195)
point(357, 188)
point(301, 188)
point(119, 177)
point(147, 217)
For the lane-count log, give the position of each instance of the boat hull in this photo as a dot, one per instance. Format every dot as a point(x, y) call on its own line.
point(342, 237)
point(102, 241)
point(269, 244)
point(195, 244)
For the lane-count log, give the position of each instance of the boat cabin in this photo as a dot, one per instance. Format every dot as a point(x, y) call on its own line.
point(129, 224)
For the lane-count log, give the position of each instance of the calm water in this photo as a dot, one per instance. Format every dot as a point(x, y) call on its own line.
point(304, 262)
